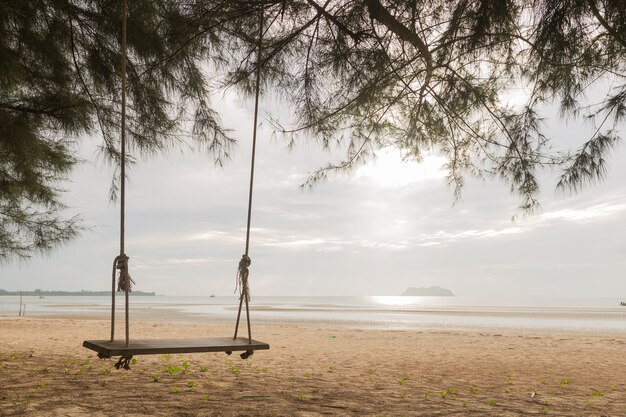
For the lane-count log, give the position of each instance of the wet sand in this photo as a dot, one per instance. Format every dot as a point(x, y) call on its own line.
point(312, 370)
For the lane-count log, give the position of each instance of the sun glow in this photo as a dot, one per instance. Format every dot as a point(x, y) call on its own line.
point(389, 170)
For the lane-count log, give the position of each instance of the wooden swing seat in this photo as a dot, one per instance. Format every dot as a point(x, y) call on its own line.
point(107, 348)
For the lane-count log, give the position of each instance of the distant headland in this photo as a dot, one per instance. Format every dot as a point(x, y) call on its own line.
point(44, 293)
point(428, 292)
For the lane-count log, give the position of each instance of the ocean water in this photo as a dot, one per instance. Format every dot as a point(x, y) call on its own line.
point(602, 315)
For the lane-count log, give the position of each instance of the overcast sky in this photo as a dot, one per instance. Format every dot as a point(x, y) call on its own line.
point(388, 226)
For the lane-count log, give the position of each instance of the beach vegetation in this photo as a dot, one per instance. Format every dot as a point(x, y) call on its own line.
point(543, 410)
point(613, 387)
point(166, 357)
point(205, 398)
point(105, 371)
point(233, 368)
point(492, 402)
point(308, 375)
point(133, 361)
point(303, 396)
point(565, 381)
point(330, 369)
point(597, 393)
point(451, 390)
point(474, 390)
point(203, 369)
point(174, 390)
point(27, 401)
point(156, 378)
point(259, 369)
point(192, 384)
point(173, 369)
point(404, 378)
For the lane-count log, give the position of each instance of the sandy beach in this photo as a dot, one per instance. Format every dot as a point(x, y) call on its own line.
point(312, 370)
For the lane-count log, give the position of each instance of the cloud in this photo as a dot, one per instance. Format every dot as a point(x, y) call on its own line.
point(585, 214)
point(212, 235)
point(456, 233)
point(453, 237)
point(152, 264)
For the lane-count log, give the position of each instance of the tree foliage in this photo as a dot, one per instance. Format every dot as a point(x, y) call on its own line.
point(417, 75)
point(59, 80)
point(437, 75)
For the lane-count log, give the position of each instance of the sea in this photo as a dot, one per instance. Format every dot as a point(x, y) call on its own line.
point(596, 315)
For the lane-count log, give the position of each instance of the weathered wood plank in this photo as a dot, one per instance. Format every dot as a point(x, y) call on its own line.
point(106, 348)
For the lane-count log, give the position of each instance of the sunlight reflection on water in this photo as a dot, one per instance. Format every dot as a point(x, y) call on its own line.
point(398, 301)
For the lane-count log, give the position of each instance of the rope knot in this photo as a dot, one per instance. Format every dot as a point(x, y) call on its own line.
point(242, 277)
point(124, 282)
point(124, 362)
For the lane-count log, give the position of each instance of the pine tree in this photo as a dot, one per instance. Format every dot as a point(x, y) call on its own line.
point(434, 75)
point(415, 75)
point(59, 82)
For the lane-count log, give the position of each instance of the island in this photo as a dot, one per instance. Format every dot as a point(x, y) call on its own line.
point(45, 293)
point(428, 292)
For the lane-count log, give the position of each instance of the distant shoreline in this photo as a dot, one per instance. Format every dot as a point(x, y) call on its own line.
point(41, 293)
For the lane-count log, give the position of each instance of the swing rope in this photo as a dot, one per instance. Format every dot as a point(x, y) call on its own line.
point(121, 261)
point(245, 262)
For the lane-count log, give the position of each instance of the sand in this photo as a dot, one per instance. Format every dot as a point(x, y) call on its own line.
point(312, 370)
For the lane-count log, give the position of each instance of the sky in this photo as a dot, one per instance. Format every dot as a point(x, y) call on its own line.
point(385, 227)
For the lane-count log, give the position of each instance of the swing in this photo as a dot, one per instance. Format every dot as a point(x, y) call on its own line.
point(128, 348)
